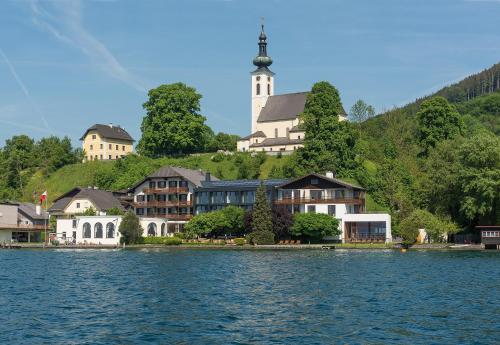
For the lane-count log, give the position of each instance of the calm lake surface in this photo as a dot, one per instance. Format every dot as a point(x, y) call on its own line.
point(175, 296)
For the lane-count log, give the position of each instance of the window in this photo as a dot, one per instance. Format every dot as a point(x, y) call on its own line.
point(116, 156)
point(162, 184)
point(87, 231)
point(139, 198)
point(117, 147)
point(172, 184)
point(102, 146)
point(77, 205)
point(110, 146)
point(161, 197)
point(109, 157)
point(95, 158)
point(101, 156)
point(183, 197)
point(183, 183)
point(151, 230)
point(139, 211)
point(123, 147)
point(110, 230)
point(64, 235)
point(163, 229)
point(91, 147)
point(331, 210)
point(258, 78)
point(299, 137)
point(93, 136)
point(258, 90)
point(268, 89)
point(152, 184)
point(268, 78)
point(74, 224)
point(311, 209)
point(98, 230)
point(314, 181)
point(276, 132)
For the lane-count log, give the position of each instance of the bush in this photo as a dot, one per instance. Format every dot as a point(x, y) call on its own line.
point(261, 237)
point(240, 241)
point(314, 225)
point(173, 241)
point(218, 157)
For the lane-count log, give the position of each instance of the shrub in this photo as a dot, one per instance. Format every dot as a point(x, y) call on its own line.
point(314, 225)
point(173, 241)
point(218, 157)
point(239, 241)
point(261, 237)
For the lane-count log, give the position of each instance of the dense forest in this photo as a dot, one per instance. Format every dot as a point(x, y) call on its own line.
point(438, 157)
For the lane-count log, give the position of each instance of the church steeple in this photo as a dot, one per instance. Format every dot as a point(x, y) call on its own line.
point(262, 61)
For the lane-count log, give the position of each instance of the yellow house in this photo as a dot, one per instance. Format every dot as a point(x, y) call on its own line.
point(106, 142)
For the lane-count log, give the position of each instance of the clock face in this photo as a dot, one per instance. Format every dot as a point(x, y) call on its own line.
point(258, 78)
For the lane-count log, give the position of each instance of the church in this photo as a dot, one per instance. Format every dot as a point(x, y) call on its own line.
point(275, 118)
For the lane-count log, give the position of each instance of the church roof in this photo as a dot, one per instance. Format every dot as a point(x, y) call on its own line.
point(258, 134)
point(284, 107)
point(278, 141)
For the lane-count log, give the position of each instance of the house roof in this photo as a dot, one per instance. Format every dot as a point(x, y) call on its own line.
point(334, 180)
point(109, 132)
point(29, 210)
point(192, 175)
point(277, 141)
point(284, 107)
point(258, 134)
point(102, 199)
point(241, 184)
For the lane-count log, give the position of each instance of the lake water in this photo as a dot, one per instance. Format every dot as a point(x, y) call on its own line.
point(175, 296)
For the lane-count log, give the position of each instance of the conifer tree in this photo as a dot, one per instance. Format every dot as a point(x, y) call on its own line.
point(262, 222)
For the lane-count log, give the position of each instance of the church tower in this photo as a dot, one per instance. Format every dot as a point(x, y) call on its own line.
point(262, 79)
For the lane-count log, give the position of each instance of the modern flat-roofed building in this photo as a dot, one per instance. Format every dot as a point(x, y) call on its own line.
point(22, 222)
point(106, 142)
point(313, 193)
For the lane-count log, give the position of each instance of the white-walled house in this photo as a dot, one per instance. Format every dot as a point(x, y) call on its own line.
point(103, 230)
point(22, 222)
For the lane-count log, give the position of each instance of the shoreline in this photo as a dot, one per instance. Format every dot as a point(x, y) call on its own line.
point(336, 246)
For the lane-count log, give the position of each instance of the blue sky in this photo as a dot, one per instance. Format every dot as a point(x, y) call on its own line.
point(65, 65)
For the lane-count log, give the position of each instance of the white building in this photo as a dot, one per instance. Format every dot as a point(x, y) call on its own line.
point(22, 222)
point(103, 230)
point(275, 118)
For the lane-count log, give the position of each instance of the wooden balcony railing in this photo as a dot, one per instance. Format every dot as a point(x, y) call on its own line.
point(290, 201)
point(173, 216)
point(24, 227)
point(168, 190)
point(163, 203)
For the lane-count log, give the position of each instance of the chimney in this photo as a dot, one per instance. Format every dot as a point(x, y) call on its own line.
point(330, 174)
point(38, 210)
point(207, 177)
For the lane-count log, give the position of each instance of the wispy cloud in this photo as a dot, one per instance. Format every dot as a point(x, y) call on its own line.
point(64, 21)
point(24, 88)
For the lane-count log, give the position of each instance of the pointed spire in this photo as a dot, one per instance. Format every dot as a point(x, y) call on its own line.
point(262, 60)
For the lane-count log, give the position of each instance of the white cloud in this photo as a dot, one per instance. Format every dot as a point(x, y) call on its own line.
point(63, 19)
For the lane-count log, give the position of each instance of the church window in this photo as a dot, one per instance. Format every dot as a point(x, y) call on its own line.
point(258, 78)
point(268, 78)
point(258, 89)
point(268, 89)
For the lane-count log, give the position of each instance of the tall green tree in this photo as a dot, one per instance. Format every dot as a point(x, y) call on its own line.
point(438, 120)
point(328, 144)
point(172, 124)
point(262, 220)
point(130, 229)
point(222, 141)
point(361, 111)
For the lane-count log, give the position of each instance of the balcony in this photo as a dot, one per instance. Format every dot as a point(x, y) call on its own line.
point(166, 190)
point(298, 201)
point(177, 203)
point(24, 227)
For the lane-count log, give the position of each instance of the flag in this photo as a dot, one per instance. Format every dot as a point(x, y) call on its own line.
point(43, 197)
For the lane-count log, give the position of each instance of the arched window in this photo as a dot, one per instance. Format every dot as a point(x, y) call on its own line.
point(151, 229)
point(110, 230)
point(258, 89)
point(87, 230)
point(98, 230)
point(163, 229)
point(269, 89)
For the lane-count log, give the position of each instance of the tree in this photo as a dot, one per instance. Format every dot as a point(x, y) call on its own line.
point(235, 219)
point(436, 228)
point(314, 225)
point(361, 111)
point(130, 229)
point(172, 124)
point(206, 223)
point(262, 221)
point(222, 141)
point(282, 222)
point(437, 121)
point(328, 144)
point(115, 211)
point(53, 153)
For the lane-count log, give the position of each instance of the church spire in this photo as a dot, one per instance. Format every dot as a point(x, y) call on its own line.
point(262, 61)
